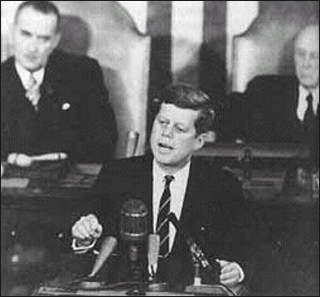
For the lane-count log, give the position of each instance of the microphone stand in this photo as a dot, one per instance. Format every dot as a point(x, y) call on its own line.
point(133, 231)
point(200, 262)
point(135, 271)
point(195, 250)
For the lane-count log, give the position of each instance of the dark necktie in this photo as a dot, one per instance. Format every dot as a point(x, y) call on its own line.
point(162, 221)
point(309, 114)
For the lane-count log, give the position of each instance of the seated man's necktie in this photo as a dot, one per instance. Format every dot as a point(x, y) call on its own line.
point(33, 91)
point(309, 114)
point(163, 223)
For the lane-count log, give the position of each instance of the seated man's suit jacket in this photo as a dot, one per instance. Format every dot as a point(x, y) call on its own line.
point(74, 114)
point(273, 103)
point(214, 211)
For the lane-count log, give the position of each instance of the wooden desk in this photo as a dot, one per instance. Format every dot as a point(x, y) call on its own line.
point(40, 199)
point(257, 150)
point(37, 213)
point(202, 290)
point(266, 170)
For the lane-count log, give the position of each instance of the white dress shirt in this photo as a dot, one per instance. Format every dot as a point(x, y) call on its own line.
point(24, 75)
point(303, 104)
point(178, 190)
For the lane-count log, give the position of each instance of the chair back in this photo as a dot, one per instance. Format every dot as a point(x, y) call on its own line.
point(123, 52)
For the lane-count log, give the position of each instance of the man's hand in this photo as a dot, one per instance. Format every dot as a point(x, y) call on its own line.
point(86, 229)
point(231, 273)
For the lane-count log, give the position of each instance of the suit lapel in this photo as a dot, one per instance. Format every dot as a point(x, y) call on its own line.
point(188, 208)
point(291, 101)
point(13, 93)
point(15, 84)
point(51, 80)
point(295, 95)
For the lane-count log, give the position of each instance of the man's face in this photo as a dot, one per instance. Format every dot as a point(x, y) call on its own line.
point(306, 57)
point(173, 137)
point(35, 37)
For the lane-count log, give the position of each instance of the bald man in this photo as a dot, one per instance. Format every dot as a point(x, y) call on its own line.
point(285, 108)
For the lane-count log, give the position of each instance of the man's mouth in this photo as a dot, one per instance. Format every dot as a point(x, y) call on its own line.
point(165, 146)
point(32, 58)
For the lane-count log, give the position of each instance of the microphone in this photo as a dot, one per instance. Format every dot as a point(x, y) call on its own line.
point(134, 230)
point(134, 223)
point(153, 254)
point(25, 160)
point(132, 143)
point(107, 247)
point(195, 250)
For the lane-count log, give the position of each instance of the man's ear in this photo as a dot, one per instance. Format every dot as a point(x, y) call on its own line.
point(57, 38)
point(201, 139)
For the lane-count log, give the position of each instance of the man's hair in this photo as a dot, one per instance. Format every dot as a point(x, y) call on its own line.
point(44, 7)
point(311, 23)
point(184, 96)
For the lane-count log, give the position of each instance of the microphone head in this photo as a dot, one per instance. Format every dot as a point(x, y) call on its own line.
point(134, 220)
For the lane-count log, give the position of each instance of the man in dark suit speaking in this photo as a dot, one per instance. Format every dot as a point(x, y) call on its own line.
point(206, 200)
point(52, 101)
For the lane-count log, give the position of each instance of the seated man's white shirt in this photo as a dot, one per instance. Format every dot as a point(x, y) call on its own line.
point(303, 104)
point(24, 75)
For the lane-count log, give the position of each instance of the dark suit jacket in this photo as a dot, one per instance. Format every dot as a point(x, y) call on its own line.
point(214, 211)
point(86, 130)
point(273, 101)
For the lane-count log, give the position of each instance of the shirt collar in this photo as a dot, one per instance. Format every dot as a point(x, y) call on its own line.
point(303, 93)
point(24, 74)
point(179, 175)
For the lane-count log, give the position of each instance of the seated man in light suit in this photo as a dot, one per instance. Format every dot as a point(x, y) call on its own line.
point(286, 108)
point(207, 200)
point(52, 101)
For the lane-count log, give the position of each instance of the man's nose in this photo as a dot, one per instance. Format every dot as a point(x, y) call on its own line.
point(33, 45)
point(167, 131)
point(306, 62)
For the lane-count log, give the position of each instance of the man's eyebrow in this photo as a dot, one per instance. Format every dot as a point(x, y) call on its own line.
point(24, 31)
point(44, 36)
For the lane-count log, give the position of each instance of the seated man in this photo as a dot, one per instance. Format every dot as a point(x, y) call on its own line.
point(52, 101)
point(206, 200)
point(281, 108)
point(285, 109)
